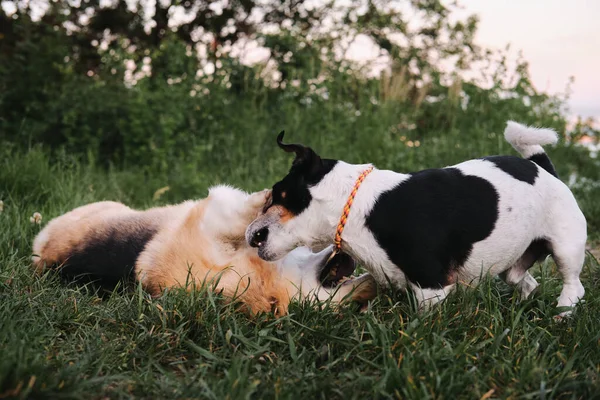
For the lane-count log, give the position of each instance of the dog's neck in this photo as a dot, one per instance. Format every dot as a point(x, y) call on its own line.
point(331, 196)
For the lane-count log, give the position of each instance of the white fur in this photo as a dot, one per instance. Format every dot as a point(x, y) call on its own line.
point(429, 297)
point(546, 209)
point(528, 140)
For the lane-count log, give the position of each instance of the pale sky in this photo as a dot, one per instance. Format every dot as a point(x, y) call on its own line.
point(559, 38)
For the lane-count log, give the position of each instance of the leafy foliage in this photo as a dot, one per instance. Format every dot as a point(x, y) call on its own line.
point(132, 85)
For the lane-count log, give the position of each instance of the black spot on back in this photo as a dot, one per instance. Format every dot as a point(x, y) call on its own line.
point(296, 186)
point(518, 168)
point(428, 224)
point(107, 259)
point(543, 161)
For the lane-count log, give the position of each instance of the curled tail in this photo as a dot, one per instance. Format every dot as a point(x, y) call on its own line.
point(528, 141)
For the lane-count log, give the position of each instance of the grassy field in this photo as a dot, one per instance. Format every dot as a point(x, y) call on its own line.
point(65, 342)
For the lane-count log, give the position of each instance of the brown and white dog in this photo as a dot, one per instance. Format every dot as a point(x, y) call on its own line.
point(189, 244)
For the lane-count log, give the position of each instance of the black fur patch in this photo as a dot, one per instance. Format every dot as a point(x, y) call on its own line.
point(543, 161)
point(428, 224)
point(518, 168)
point(340, 266)
point(537, 249)
point(107, 259)
point(296, 184)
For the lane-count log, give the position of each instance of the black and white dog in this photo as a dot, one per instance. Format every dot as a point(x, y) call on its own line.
point(432, 229)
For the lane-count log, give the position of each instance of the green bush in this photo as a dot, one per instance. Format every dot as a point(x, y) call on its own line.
point(60, 90)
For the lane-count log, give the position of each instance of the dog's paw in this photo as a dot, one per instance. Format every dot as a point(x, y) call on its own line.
point(567, 313)
point(563, 316)
point(365, 288)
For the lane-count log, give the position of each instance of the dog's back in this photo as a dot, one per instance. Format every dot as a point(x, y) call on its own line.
point(98, 243)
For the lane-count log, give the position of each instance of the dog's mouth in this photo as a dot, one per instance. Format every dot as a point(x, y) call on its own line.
point(337, 270)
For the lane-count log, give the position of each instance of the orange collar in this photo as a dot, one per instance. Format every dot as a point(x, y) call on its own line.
point(344, 217)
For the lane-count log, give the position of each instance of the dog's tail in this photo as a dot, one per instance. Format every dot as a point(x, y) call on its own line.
point(528, 141)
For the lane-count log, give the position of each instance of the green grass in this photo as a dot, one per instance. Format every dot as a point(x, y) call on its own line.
point(65, 342)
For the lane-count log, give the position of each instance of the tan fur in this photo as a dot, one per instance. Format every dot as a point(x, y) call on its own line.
point(237, 272)
point(197, 242)
point(362, 289)
point(62, 235)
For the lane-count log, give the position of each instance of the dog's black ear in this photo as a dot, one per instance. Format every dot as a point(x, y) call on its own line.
point(306, 159)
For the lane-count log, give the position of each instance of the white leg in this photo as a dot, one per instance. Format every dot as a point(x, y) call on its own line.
point(567, 240)
point(522, 280)
point(570, 262)
point(527, 285)
point(426, 298)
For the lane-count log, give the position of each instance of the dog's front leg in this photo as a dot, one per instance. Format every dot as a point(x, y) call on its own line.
point(427, 298)
point(230, 212)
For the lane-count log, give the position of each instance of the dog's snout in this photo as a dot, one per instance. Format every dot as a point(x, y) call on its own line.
point(259, 237)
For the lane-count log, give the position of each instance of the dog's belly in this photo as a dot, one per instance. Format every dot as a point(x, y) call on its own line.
point(494, 255)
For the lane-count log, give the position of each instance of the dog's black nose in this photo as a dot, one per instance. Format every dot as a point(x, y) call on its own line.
point(259, 237)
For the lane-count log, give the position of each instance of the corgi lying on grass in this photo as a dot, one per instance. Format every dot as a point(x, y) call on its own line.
point(193, 242)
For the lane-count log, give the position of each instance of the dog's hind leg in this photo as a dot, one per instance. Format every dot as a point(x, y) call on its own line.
point(567, 240)
point(570, 263)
